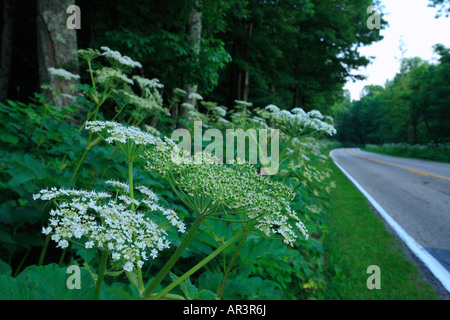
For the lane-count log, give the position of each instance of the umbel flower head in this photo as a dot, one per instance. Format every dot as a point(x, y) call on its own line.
point(130, 141)
point(234, 191)
point(98, 220)
point(298, 122)
point(118, 133)
point(63, 74)
point(116, 56)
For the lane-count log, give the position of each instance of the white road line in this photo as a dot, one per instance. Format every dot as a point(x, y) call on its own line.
point(433, 265)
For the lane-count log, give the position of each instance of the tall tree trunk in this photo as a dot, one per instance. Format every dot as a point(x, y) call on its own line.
point(246, 91)
point(55, 45)
point(6, 46)
point(296, 96)
point(194, 32)
point(239, 85)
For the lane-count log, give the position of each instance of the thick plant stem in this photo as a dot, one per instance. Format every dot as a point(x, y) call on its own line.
point(44, 250)
point(230, 266)
point(22, 261)
point(197, 267)
point(101, 274)
point(130, 182)
point(173, 259)
point(91, 143)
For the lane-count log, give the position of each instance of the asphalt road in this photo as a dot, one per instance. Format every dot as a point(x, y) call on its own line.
point(415, 193)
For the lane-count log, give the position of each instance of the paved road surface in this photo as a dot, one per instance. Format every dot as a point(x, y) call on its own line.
point(415, 193)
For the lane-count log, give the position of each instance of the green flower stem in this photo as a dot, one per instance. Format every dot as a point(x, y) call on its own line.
point(119, 112)
point(174, 258)
point(130, 181)
point(230, 266)
point(90, 144)
point(198, 266)
point(44, 250)
point(101, 274)
point(140, 281)
point(171, 296)
point(92, 79)
point(63, 255)
point(130, 278)
point(22, 261)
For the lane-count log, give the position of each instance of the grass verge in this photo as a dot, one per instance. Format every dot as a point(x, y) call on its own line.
point(438, 153)
point(358, 239)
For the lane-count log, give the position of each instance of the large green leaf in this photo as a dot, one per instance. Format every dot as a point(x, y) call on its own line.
point(191, 292)
point(45, 283)
point(5, 269)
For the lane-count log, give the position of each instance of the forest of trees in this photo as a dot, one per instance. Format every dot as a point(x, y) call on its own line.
point(294, 53)
point(413, 108)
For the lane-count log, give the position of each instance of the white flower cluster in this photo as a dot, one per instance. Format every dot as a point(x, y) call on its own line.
point(119, 133)
point(298, 120)
point(195, 96)
point(101, 222)
point(64, 74)
point(55, 193)
point(151, 102)
point(180, 92)
point(188, 106)
point(152, 130)
point(106, 75)
point(220, 111)
point(236, 186)
point(243, 103)
point(147, 83)
point(117, 56)
point(119, 185)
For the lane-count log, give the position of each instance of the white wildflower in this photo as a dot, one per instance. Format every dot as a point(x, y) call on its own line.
point(119, 185)
point(115, 256)
point(315, 114)
point(195, 96)
point(106, 75)
point(111, 224)
point(188, 106)
point(63, 74)
point(120, 134)
point(89, 244)
point(117, 56)
point(220, 111)
point(128, 267)
point(243, 103)
point(272, 108)
point(147, 83)
point(152, 130)
point(180, 92)
point(46, 230)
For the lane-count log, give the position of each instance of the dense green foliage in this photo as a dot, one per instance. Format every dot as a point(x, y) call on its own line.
point(43, 150)
point(432, 151)
point(412, 108)
point(296, 53)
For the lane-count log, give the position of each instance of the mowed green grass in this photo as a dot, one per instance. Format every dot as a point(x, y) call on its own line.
point(358, 239)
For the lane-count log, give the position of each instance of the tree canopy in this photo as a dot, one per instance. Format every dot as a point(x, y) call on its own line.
point(413, 107)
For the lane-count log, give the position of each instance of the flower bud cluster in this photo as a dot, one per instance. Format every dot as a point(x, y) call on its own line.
point(237, 187)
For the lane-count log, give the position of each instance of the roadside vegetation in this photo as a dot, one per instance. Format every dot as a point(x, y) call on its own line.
point(434, 152)
point(357, 238)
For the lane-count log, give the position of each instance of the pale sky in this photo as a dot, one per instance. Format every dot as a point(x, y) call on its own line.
point(410, 21)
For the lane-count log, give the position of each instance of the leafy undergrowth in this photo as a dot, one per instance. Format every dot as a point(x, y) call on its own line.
point(434, 152)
